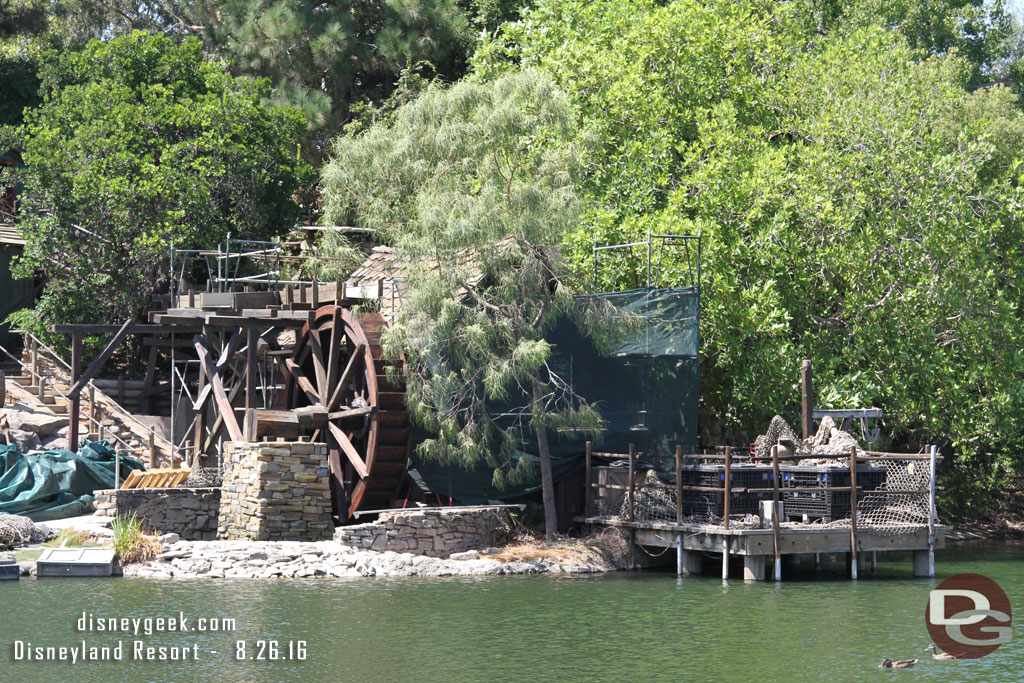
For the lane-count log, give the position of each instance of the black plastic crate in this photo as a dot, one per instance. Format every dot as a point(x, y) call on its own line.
point(712, 503)
point(825, 505)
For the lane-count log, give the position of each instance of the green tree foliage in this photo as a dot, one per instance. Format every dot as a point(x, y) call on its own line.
point(860, 207)
point(472, 184)
point(140, 144)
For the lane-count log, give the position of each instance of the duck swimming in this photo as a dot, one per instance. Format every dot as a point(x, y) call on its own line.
point(897, 664)
point(938, 655)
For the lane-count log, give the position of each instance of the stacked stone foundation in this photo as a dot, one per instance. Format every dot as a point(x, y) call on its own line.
point(275, 491)
point(189, 512)
point(436, 532)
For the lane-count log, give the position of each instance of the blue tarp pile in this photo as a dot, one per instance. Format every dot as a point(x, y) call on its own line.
point(58, 483)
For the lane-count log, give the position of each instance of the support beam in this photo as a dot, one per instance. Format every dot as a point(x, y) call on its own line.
point(689, 562)
point(223, 402)
point(854, 562)
point(775, 513)
point(933, 451)
point(923, 564)
point(300, 378)
point(725, 559)
point(105, 354)
point(753, 567)
point(251, 339)
point(76, 400)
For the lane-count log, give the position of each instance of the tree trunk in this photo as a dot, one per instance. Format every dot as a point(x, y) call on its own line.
point(546, 479)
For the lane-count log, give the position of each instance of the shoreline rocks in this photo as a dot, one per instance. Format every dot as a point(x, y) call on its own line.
point(327, 559)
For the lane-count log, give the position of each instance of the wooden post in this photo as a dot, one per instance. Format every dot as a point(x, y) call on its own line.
point(117, 469)
point(251, 340)
point(725, 558)
point(191, 298)
point(931, 510)
point(93, 412)
point(3, 388)
point(288, 297)
point(728, 484)
point(41, 390)
point(806, 399)
point(316, 294)
point(120, 389)
point(679, 486)
point(35, 359)
point(853, 512)
point(629, 491)
point(588, 491)
point(76, 399)
point(189, 457)
point(302, 294)
point(101, 432)
point(152, 447)
point(775, 513)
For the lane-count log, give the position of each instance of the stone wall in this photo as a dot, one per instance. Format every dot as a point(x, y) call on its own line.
point(190, 513)
point(437, 532)
point(275, 491)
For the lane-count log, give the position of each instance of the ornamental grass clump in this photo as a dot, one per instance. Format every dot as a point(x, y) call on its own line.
point(130, 544)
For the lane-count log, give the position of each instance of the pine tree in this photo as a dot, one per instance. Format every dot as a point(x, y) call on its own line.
point(472, 184)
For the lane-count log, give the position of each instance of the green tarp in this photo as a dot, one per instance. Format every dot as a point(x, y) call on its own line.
point(646, 389)
point(57, 484)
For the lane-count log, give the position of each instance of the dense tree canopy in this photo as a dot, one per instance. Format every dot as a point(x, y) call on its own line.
point(860, 207)
point(140, 144)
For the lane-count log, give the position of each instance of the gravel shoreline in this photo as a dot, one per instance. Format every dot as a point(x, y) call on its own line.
point(292, 559)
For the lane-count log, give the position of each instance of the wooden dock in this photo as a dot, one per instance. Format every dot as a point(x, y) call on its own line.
point(757, 546)
point(909, 524)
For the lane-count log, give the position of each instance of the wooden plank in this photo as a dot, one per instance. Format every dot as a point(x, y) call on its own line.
point(132, 480)
point(349, 413)
point(218, 424)
point(223, 402)
point(357, 356)
point(350, 451)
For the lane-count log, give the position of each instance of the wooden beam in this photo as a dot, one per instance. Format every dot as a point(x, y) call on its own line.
point(251, 337)
point(227, 411)
point(302, 380)
point(350, 412)
point(218, 424)
point(319, 366)
point(76, 400)
point(357, 355)
point(350, 451)
point(98, 362)
point(334, 352)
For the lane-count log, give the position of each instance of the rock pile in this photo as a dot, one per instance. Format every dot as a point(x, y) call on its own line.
point(270, 560)
point(16, 530)
point(35, 429)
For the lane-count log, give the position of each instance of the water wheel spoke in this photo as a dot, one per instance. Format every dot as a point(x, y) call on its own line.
point(319, 364)
point(303, 381)
point(334, 350)
point(346, 376)
point(350, 451)
point(349, 413)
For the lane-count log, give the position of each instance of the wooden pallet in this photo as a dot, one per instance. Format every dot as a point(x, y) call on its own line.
point(164, 477)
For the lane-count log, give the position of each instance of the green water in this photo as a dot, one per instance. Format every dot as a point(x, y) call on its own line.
point(622, 627)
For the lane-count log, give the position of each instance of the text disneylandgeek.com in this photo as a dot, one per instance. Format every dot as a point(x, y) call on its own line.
point(138, 649)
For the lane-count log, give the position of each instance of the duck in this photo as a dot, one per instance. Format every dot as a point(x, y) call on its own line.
point(938, 655)
point(897, 664)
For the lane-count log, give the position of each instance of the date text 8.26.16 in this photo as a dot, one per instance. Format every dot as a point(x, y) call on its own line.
point(270, 650)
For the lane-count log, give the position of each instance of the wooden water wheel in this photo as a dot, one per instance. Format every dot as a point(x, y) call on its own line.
point(336, 371)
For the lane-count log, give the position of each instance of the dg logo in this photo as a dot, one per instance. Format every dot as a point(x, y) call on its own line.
point(968, 616)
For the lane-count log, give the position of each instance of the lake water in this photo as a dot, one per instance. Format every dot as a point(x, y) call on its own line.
point(637, 626)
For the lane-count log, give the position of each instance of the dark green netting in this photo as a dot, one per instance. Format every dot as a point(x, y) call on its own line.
point(58, 483)
point(646, 389)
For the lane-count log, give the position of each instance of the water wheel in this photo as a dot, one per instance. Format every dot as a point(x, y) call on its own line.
point(336, 370)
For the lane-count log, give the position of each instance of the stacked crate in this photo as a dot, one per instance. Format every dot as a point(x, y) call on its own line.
point(827, 506)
